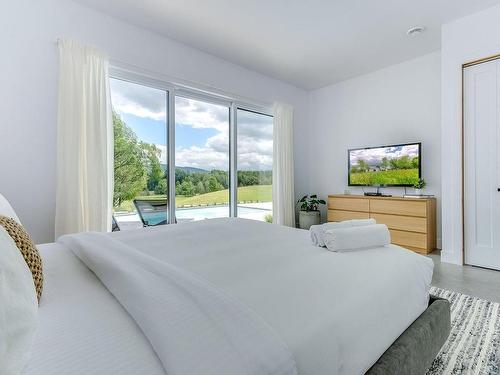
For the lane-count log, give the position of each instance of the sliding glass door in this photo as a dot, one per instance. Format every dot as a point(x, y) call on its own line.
point(140, 155)
point(222, 152)
point(255, 165)
point(201, 159)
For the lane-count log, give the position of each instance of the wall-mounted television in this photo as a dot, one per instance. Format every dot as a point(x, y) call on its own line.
point(392, 165)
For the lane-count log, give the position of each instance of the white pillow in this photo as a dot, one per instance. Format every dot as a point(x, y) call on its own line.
point(7, 210)
point(18, 308)
point(357, 237)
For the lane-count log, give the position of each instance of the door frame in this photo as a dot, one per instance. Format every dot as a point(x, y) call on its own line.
point(465, 66)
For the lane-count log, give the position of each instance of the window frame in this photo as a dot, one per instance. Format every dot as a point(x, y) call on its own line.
point(234, 142)
point(195, 92)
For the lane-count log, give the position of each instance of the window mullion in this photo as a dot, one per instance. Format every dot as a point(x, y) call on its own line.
point(233, 168)
point(171, 156)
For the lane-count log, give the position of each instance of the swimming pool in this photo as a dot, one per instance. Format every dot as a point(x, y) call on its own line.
point(248, 211)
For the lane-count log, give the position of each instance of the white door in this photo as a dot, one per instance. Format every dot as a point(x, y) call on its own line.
point(482, 165)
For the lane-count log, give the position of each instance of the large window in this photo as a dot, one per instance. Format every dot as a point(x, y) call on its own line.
point(222, 154)
point(255, 165)
point(140, 154)
point(201, 160)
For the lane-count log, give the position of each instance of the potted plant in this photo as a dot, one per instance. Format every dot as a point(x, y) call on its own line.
point(419, 186)
point(309, 213)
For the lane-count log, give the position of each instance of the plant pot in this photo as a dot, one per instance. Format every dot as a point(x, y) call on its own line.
point(308, 218)
point(418, 191)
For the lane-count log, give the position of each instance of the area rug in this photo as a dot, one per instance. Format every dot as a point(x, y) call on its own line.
point(474, 343)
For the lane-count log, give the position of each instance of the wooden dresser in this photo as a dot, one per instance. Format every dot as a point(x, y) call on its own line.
point(412, 222)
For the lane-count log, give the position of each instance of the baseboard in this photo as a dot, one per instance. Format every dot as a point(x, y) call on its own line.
point(450, 257)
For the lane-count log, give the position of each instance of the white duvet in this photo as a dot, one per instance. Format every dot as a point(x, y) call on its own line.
point(193, 327)
point(335, 313)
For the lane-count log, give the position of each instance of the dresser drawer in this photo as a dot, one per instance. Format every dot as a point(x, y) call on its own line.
point(411, 239)
point(338, 215)
point(349, 204)
point(406, 223)
point(399, 207)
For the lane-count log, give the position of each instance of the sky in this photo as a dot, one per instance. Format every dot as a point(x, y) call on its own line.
point(374, 156)
point(201, 129)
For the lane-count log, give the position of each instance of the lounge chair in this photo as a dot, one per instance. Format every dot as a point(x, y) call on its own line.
point(152, 211)
point(114, 224)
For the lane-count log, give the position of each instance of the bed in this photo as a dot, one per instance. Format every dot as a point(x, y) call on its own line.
point(333, 313)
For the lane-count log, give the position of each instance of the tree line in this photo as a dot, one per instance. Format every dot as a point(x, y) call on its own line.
point(138, 170)
point(194, 183)
point(403, 162)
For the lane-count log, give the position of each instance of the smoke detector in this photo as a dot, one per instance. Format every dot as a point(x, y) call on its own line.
point(414, 31)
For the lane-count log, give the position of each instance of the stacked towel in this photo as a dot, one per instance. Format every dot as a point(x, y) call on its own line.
point(356, 238)
point(362, 222)
point(317, 231)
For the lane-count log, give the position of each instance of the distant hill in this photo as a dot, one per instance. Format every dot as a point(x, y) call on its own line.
point(186, 169)
point(192, 170)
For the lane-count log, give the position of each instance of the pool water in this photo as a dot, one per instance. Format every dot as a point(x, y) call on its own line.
point(201, 213)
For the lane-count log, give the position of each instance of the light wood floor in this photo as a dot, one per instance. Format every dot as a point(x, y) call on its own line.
point(474, 281)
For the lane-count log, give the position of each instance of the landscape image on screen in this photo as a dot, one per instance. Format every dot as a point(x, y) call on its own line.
point(391, 165)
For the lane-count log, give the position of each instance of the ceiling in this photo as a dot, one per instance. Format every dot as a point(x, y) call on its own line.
point(308, 43)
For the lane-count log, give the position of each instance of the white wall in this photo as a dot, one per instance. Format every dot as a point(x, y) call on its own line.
point(464, 40)
point(398, 104)
point(28, 92)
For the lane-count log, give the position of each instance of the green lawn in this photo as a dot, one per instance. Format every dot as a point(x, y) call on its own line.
point(256, 193)
point(392, 177)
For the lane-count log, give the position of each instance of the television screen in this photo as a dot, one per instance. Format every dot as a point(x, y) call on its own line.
point(394, 165)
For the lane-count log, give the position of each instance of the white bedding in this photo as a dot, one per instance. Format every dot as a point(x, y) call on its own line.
point(82, 329)
point(193, 327)
point(336, 312)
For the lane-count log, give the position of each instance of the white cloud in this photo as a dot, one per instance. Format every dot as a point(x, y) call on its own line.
point(255, 132)
point(201, 157)
point(255, 141)
point(163, 155)
point(253, 154)
point(375, 155)
point(201, 115)
point(255, 137)
point(219, 142)
point(141, 101)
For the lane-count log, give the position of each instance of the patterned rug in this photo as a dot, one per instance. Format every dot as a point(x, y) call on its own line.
point(474, 343)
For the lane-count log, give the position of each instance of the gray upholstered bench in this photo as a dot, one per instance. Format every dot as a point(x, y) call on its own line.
point(413, 352)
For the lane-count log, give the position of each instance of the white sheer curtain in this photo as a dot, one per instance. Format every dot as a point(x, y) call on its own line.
point(84, 141)
point(283, 192)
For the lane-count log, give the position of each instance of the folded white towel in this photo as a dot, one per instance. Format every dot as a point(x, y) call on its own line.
point(362, 222)
point(317, 231)
point(354, 238)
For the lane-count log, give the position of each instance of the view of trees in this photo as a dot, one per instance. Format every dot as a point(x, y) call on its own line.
point(403, 162)
point(194, 183)
point(138, 171)
point(129, 163)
